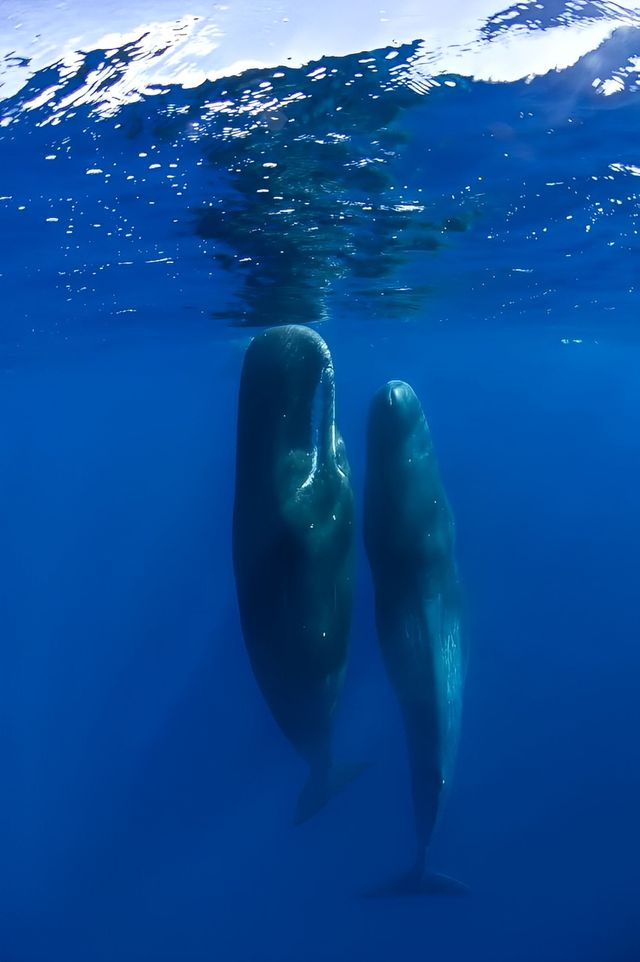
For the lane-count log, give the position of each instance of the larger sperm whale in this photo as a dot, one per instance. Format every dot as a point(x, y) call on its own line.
point(293, 544)
point(409, 538)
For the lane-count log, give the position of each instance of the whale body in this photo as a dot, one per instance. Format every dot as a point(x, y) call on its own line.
point(293, 542)
point(409, 538)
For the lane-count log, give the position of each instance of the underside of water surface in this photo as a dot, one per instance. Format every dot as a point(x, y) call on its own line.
point(151, 180)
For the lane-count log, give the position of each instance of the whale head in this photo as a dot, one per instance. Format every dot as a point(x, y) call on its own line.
point(287, 398)
point(406, 513)
point(395, 418)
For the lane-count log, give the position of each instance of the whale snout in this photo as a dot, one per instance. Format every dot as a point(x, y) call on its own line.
point(287, 395)
point(395, 411)
point(399, 394)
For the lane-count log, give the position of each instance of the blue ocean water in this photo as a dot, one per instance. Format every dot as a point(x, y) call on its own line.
point(450, 199)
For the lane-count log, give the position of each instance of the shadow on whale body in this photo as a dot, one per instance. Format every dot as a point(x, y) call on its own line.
point(293, 545)
point(409, 539)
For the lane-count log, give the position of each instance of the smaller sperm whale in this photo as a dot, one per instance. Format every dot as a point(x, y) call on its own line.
point(409, 539)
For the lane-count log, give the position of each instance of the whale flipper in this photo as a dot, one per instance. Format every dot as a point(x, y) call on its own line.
point(320, 789)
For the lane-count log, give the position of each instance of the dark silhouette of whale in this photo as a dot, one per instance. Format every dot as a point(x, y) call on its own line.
point(293, 540)
point(409, 538)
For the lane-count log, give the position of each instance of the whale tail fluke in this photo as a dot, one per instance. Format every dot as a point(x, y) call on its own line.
point(319, 790)
point(412, 884)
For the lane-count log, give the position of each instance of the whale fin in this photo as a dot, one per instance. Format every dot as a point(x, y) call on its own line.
point(411, 884)
point(320, 790)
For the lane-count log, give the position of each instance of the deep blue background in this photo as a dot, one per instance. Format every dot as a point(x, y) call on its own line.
point(148, 795)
